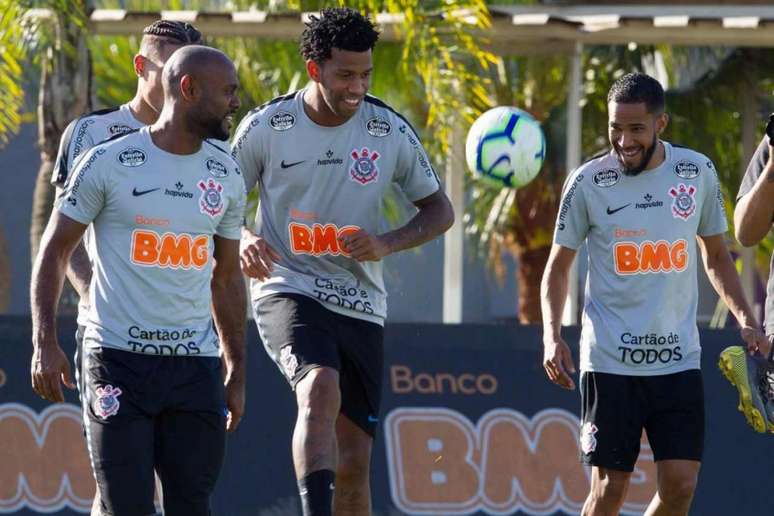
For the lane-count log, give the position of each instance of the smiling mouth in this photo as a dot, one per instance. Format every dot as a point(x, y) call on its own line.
point(629, 154)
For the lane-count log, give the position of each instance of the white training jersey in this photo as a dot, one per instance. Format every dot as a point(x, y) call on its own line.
point(154, 215)
point(318, 183)
point(78, 137)
point(639, 316)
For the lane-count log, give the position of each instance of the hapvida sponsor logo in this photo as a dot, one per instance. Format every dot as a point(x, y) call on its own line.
point(649, 203)
point(178, 192)
point(440, 462)
point(329, 160)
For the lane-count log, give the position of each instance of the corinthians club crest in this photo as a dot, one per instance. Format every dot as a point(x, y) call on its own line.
point(211, 201)
point(364, 169)
point(684, 203)
point(107, 403)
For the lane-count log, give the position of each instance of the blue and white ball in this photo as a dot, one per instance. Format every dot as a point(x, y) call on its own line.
point(506, 147)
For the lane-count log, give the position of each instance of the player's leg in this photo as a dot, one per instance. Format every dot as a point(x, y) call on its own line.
point(611, 429)
point(78, 371)
point(190, 434)
point(676, 485)
point(675, 427)
point(607, 493)
point(362, 357)
point(314, 439)
point(119, 432)
point(353, 494)
point(297, 333)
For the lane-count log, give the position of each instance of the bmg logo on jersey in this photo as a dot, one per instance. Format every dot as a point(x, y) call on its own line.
point(650, 257)
point(318, 239)
point(169, 250)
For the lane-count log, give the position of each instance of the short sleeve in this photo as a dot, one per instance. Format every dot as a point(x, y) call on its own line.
point(230, 224)
point(712, 219)
point(754, 168)
point(413, 173)
point(85, 191)
point(246, 149)
point(572, 221)
point(65, 158)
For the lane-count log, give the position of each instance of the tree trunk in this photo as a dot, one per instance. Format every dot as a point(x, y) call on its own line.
point(64, 95)
point(531, 264)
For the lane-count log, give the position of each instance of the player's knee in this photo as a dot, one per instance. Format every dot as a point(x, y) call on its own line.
point(610, 488)
point(318, 395)
point(677, 491)
point(353, 463)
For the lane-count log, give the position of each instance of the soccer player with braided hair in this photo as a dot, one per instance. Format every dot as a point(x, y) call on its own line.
point(324, 158)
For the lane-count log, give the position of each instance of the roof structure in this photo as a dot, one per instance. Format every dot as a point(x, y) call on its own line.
point(515, 29)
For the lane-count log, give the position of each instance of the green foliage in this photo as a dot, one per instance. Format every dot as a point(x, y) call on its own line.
point(11, 91)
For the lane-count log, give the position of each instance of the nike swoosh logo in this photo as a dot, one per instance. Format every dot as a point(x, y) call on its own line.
point(288, 165)
point(138, 193)
point(610, 212)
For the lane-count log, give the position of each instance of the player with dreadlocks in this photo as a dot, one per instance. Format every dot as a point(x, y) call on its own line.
point(324, 158)
point(160, 39)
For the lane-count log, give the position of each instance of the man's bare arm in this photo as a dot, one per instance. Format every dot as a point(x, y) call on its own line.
point(434, 216)
point(755, 210)
point(49, 363)
point(229, 304)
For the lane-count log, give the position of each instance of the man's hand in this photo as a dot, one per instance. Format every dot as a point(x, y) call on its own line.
point(256, 256)
point(755, 340)
point(364, 247)
point(558, 363)
point(49, 366)
point(235, 399)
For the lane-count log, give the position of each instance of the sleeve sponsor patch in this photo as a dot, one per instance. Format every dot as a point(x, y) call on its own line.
point(606, 178)
point(687, 169)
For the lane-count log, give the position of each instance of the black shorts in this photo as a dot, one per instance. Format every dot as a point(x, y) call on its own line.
point(78, 359)
point(146, 412)
point(300, 334)
point(616, 408)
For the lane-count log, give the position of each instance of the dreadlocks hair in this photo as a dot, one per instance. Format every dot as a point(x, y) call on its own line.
point(181, 32)
point(341, 27)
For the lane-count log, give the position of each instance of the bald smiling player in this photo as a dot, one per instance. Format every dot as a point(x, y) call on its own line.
point(153, 387)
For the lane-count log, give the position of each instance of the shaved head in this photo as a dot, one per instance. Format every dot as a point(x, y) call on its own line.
point(200, 84)
point(198, 62)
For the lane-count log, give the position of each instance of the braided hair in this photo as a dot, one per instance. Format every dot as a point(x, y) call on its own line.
point(182, 32)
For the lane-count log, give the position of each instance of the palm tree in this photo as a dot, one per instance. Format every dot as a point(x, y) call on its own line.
point(65, 85)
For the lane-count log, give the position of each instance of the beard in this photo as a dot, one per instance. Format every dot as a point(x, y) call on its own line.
point(209, 125)
point(637, 169)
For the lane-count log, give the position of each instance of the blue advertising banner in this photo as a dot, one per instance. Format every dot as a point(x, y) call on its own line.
point(469, 425)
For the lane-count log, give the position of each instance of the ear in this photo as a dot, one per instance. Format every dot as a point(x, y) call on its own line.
point(313, 70)
point(139, 65)
point(661, 123)
point(188, 87)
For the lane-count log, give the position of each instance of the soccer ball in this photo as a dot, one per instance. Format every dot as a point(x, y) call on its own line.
point(505, 146)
